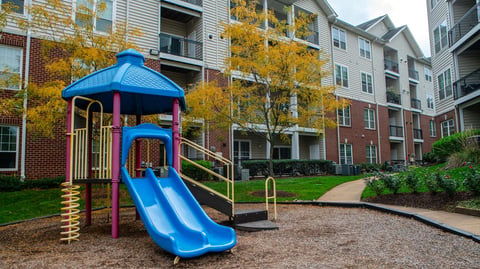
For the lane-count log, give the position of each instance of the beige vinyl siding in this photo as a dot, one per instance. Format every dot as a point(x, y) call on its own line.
point(425, 88)
point(144, 15)
point(468, 62)
point(443, 59)
point(379, 84)
point(258, 146)
point(306, 141)
point(470, 119)
point(215, 48)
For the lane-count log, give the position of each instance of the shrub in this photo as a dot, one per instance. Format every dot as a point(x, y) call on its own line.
point(375, 184)
point(431, 182)
point(472, 180)
point(371, 167)
point(393, 183)
point(449, 185)
point(453, 143)
point(44, 183)
point(196, 173)
point(10, 183)
point(430, 157)
point(288, 167)
point(412, 180)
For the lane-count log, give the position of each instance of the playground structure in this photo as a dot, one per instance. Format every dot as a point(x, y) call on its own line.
point(99, 150)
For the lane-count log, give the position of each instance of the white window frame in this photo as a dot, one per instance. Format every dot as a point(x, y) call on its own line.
point(342, 119)
point(343, 156)
point(339, 34)
point(5, 65)
point(433, 128)
point(16, 148)
point(367, 86)
point(446, 90)
point(440, 37)
point(447, 127)
point(430, 101)
point(239, 159)
point(343, 72)
point(428, 74)
point(369, 118)
point(365, 48)
point(95, 3)
point(280, 148)
point(371, 151)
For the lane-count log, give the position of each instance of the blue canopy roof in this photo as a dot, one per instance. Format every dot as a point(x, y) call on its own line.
point(143, 90)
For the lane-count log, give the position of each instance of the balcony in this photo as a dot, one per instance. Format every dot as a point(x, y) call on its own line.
point(416, 104)
point(413, 74)
point(464, 25)
point(179, 46)
point(390, 65)
point(394, 98)
point(396, 131)
point(417, 134)
point(467, 84)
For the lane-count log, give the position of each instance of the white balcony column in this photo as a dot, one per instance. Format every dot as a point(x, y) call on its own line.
point(295, 146)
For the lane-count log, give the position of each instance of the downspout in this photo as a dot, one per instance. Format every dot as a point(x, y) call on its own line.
point(379, 145)
point(25, 101)
point(333, 20)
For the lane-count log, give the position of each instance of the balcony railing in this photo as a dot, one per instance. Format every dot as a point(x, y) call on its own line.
point(413, 74)
point(394, 98)
point(195, 2)
point(416, 104)
point(417, 133)
point(180, 46)
point(390, 65)
point(467, 84)
point(396, 131)
point(464, 25)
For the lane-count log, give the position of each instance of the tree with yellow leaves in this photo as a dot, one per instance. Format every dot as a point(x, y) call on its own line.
point(71, 48)
point(278, 81)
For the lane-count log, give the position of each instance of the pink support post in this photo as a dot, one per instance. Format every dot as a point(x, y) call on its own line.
point(176, 134)
point(116, 164)
point(69, 137)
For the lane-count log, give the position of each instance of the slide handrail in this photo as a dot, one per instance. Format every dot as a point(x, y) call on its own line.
point(273, 196)
point(229, 179)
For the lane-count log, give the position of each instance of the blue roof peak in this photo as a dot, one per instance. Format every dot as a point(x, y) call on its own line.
point(130, 56)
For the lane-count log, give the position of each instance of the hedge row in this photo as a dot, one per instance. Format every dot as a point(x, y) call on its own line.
point(13, 183)
point(288, 167)
point(196, 173)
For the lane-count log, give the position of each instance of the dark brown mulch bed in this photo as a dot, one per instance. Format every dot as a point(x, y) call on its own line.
point(437, 201)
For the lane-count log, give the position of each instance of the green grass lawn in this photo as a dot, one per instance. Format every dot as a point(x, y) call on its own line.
point(29, 204)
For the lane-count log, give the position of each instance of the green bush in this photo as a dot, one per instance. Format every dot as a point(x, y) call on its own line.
point(472, 180)
point(288, 167)
point(393, 183)
point(196, 173)
point(412, 180)
point(431, 182)
point(430, 157)
point(449, 185)
point(10, 183)
point(371, 167)
point(375, 184)
point(44, 183)
point(453, 143)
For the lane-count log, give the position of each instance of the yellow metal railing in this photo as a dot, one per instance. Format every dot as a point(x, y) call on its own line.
point(268, 181)
point(230, 196)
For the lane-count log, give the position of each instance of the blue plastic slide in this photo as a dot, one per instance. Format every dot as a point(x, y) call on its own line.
point(173, 218)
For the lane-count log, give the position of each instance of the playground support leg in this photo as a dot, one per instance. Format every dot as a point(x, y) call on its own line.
point(138, 160)
point(88, 204)
point(116, 164)
point(176, 134)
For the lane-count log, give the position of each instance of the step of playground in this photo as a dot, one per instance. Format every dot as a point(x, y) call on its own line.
point(252, 220)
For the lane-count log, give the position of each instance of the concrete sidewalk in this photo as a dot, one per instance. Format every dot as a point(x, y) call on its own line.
point(352, 191)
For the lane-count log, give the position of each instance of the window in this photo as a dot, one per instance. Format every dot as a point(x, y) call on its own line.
point(10, 67)
point(282, 153)
point(364, 46)
point(433, 129)
point(445, 85)
point(241, 151)
point(428, 74)
point(369, 116)
point(103, 21)
point(429, 101)
point(346, 156)
point(339, 38)
point(341, 75)
point(367, 83)
point(371, 154)
point(18, 5)
point(440, 37)
point(8, 147)
point(344, 116)
point(448, 128)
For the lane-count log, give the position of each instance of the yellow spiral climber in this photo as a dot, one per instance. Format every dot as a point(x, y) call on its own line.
point(70, 205)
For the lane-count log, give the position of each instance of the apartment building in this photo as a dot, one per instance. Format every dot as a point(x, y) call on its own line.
point(454, 38)
point(378, 67)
